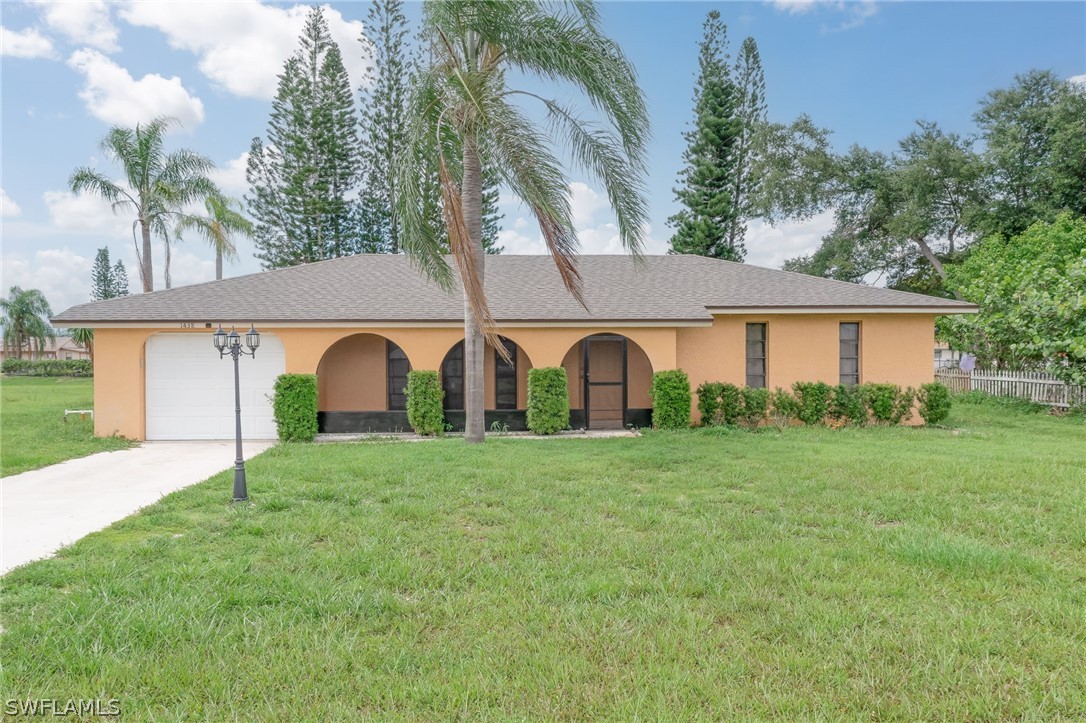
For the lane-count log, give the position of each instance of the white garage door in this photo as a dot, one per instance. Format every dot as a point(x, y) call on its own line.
point(190, 390)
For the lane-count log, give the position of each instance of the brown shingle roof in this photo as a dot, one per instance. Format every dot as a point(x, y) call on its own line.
point(383, 288)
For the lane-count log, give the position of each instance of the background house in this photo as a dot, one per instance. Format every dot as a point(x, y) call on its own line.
point(63, 347)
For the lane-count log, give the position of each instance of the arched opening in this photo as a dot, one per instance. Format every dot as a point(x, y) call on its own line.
point(360, 385)
point(609, 381)
point(505, 385)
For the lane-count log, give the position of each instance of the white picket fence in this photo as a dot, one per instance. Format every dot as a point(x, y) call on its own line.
point(1034, 386)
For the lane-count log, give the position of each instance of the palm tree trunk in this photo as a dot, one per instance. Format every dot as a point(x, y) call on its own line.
point(146, 270)
point(166, 264)
point(218, 263)
point(471, 191)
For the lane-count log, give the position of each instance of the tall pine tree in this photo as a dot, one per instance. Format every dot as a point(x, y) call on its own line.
point(107, 282)
point(120, 279)
point(302, 181)
point(102, 276)
point(383, 109)
point(707, 180)
point(750, 108)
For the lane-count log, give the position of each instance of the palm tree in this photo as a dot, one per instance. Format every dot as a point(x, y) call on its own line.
point(157, 184)
point(462, 118)
point(26, 321)
point(85, 338)
point(223, 220)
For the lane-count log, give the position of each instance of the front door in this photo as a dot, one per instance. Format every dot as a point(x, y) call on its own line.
point(605, 382)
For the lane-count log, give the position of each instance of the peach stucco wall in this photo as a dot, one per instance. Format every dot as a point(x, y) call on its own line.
point(352, 375)
point(894, 347)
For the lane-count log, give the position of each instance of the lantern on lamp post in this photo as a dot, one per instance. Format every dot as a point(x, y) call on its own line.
point(231, 344)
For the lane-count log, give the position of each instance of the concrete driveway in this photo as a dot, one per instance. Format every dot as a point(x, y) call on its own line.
point(48, 508)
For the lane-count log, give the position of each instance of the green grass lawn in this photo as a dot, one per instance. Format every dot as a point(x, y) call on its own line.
point(33, 432)
point(812, 574)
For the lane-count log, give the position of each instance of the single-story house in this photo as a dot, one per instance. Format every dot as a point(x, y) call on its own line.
point(62, 347)
point(360, 323)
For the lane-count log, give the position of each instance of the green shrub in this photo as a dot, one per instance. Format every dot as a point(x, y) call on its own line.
point(888, 403)
point(935, 402)
point(755, 406)
point(847, 405)
point(782, 407)
point(880, 400)
point(812, 401)
point(670, 399)
point(709, 403)
point(48, 367)
point(295, 407)
point(548, 400)
point(978, 396)
point(903, 405)
point(731, 403)
point(424, 396)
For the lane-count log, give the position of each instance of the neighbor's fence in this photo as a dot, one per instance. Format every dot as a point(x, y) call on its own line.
point(1034, 386)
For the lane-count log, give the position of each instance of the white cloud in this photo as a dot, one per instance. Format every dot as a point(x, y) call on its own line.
point(242, 45)
point(592, 217)
point(112, 95)
point(86, 22)
point(856, 11)
point(86, 214)
point(231, 177)
point(28, 43)
point(585, 202)
point(62, 275)
point(8, 207)
point(771, 246)
point(1079, 80)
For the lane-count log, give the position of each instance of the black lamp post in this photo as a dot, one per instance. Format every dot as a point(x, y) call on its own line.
point(231, 344)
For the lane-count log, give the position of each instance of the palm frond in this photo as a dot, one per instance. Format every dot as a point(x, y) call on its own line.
point(525, 164)
point(600, 154)
point(571, 48)
point(412, 166)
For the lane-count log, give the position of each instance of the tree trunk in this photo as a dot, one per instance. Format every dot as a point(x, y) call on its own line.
point(146, 269)
point(218, 263)
point(166, 264)
point(471, 191)
point(926, 251)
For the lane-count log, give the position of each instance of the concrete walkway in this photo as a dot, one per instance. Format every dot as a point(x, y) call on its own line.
point(48, 508)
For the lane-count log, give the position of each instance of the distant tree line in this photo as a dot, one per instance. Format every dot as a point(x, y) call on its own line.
point(906, 216)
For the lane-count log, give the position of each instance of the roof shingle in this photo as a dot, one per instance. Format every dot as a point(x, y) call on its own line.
point(388, 288)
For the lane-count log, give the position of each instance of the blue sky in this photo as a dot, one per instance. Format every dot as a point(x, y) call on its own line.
point(866, 70)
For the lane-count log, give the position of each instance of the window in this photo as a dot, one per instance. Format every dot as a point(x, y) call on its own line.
point(756, 355)
point(505, 378)
point(850, 353)
point(398, 367)
point(452, 378)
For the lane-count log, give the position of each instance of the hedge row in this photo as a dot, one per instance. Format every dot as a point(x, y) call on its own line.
point(728, 404)
point(819, 403)
point(48, 367)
